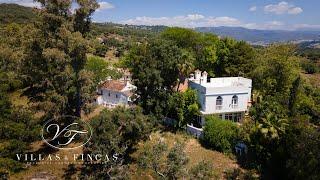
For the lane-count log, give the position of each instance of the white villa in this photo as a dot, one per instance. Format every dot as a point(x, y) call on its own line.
point(112, 93)
point(227, 97)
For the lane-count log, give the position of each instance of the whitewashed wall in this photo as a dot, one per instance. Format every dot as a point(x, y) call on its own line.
point(197, 132)
point(210, 103)
point(207, 97)
point(112, 99)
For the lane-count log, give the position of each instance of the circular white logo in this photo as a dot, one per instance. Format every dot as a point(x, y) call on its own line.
point(64, 130)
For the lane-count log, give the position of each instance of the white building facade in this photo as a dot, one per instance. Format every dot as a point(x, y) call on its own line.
point(113, 93)
point(227, 97)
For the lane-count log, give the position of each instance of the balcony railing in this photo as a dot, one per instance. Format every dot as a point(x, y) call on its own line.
point(234, 106)
point(218, 107)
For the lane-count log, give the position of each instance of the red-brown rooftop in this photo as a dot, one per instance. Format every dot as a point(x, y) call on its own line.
point(113, 85)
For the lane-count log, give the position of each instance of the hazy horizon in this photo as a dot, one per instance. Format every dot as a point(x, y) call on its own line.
point(250, 14)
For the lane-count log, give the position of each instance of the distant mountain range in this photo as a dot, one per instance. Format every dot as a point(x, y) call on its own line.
point(261, 37)
point(19, 14)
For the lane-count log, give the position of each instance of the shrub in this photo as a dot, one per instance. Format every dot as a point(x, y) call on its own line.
point(219, 134)
point(309, 67)
point(238, 174)
point(203, 170)
point(165, 162)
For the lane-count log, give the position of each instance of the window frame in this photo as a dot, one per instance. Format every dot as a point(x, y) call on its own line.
point(234, 101)
point(220, 104)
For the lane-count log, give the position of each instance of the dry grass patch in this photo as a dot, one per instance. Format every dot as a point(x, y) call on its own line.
point(221, 162)
point(195, 152)
point(17, 99)
point(96, 112)
point(314, 79)
point(57, 168)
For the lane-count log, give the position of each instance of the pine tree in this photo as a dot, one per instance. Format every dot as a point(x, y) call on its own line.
point(54, 68)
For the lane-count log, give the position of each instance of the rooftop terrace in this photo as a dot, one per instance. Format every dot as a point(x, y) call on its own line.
point(202, 79)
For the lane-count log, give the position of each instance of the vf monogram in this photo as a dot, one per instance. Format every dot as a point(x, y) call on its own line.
point(59, 135)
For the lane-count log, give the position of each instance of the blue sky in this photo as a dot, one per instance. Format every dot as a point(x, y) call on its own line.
point(255, 14)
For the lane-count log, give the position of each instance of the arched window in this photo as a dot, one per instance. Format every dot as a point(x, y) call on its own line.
point(234, 102)
point(219, 103)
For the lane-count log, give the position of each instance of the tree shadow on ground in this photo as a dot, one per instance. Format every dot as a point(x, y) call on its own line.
point(45, 149)
point(70, 171)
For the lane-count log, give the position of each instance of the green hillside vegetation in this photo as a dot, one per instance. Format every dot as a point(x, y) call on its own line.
point(15, 13)
point(124, 30)
point(58, 75)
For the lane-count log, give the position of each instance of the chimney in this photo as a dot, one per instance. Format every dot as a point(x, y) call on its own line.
point(197, 74)
point(205, 77)
point(191, 76)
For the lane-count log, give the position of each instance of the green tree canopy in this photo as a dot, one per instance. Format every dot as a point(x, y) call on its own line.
point(183, 107)
point(276, 70)
point(155, 72)
point(18, 129)
point(219, 134)
point(54, 66)
point(101, 69)
point(115, 132)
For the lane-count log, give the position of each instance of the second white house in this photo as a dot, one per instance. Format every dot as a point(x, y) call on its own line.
point(112, 93)
point(227, 97)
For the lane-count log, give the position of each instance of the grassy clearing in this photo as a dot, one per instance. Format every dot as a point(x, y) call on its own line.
point(59, 169)
point(195, 152)
point(17, 99)
point(96, 111)
point(193, 149)
point(221, 162)
point(314, 79)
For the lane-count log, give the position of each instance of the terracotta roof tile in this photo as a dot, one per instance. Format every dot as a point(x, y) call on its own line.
point(183, 86)
point(113, 85)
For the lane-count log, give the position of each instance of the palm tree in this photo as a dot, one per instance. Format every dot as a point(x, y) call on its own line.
point(185, 66)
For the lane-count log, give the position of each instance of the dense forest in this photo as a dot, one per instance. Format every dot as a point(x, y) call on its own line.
point(55, 59)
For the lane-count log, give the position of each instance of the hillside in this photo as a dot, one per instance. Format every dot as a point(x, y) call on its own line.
point(262, 36)
point(19, 14)
point(253, 36)
point(15, 13)
point(125, 30)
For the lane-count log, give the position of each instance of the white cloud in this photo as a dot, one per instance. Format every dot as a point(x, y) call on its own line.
point(223, 21)
point(275, 23)
point(195, 16)
point(28, 3)
point(282, 8)
point(105, 5)
point(307, 26)
point(198, 20)
point(296, 10)
point(253, 8)
point(191, 20)
point(270, 25)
